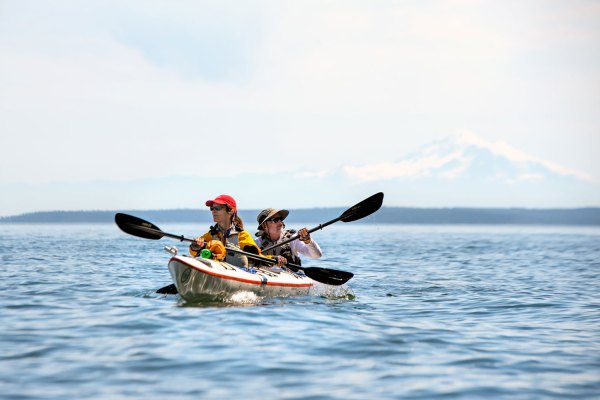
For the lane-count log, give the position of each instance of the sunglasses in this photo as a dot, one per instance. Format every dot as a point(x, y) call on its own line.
point(216, 208)
point(276, 220)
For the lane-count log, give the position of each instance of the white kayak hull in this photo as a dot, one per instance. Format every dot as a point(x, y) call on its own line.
point(199, 279)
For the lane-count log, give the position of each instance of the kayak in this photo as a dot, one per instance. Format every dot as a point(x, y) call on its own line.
point(199, 279)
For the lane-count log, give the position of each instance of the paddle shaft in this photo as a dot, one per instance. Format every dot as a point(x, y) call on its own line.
point(323, 275)
point(316, 228)
point(256, 257)
point(360, 210)
point(245, 253)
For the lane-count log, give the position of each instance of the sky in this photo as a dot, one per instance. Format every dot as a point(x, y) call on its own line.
point(101, 93)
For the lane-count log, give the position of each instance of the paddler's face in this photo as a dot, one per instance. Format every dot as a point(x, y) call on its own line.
point(220, 213)
point(274, 227)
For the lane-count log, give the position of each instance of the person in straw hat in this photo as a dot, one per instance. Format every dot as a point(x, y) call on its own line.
point(271, 230)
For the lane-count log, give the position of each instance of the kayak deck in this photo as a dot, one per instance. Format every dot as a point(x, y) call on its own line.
point(200, 278)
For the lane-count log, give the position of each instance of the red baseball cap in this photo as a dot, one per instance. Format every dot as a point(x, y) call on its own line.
point(223, 199)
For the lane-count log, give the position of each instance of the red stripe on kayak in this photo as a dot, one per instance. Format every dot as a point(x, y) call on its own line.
point(208, 272)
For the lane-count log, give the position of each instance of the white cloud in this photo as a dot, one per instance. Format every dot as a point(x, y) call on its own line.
point(416, 167)
point(454, 173)
point(313, 174)
point(527, 178)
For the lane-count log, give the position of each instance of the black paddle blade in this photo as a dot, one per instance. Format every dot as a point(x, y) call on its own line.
point(169, 289)
point(328, 276)
point(364, 208)
point(137, 227)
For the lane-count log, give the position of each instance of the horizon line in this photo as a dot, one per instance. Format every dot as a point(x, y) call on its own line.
point(445, 208)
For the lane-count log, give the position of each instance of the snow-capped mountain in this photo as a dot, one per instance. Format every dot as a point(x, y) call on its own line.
point(466, 156)
point(459, 171)
point(467, 170)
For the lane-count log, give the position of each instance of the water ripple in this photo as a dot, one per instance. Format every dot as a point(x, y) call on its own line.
point(432, 312)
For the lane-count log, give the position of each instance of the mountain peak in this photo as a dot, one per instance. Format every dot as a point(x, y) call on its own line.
point(467, 155)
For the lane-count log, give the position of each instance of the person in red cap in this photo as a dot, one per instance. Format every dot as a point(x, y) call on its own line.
point(228, 229)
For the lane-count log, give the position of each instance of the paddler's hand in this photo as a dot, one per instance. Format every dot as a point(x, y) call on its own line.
point(198, 244)
point(281, 261)
point(304, 235)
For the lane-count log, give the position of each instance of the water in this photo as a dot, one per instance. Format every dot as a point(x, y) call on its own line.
point(432, 312)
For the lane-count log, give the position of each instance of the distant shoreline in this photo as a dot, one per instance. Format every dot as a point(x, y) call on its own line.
point(589, 216)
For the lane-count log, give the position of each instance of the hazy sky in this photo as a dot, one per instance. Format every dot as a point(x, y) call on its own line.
point(123, 90)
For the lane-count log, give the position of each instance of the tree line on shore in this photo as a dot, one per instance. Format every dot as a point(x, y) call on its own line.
point(391, 215)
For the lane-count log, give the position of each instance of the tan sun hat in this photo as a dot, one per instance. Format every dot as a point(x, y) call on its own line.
point(269, 213)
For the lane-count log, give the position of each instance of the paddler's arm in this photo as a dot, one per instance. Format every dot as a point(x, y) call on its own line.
point(246, 243)
point(196, 247)
point(305, 245)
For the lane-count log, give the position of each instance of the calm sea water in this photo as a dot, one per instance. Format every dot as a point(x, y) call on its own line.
point(432, 312)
